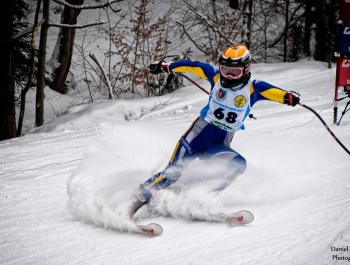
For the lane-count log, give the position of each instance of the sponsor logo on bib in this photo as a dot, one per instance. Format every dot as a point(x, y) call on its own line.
point(240, 101)
point(221, 94)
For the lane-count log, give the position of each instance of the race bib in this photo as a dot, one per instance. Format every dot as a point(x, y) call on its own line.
point(227, 109)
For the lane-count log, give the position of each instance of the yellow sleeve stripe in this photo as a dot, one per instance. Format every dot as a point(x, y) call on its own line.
point(216, 77)
point(274, 94)
point(251, 88)
point(188, 69)
point(154, 182)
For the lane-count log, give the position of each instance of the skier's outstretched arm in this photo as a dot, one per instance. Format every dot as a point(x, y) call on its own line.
point(261, 90)
point(202, 70)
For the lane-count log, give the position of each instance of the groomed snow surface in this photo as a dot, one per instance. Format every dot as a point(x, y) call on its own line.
point(64, 186)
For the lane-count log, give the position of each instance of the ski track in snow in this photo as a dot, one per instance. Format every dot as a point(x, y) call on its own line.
point(296, 184)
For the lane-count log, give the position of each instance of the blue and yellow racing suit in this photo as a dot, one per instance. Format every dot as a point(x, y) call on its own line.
point(210, 135)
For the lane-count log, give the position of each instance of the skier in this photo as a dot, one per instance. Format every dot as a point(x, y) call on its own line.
point(233, 94)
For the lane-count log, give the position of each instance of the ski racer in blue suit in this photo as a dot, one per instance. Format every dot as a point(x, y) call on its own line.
point(233, 94)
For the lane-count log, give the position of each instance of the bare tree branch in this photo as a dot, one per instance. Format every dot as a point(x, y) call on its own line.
point(110, 6)
point(282, 34)
point(296, 9)
point(191, 38)
point(89, 6)
point(28, 30)
point(77, 26)
point(207, 22)
point(295, 20)
point(93, 57)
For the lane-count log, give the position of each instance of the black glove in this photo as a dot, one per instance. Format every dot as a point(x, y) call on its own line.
point(290, 99)
point(158, 67)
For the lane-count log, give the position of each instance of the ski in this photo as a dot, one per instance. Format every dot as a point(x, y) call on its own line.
point(242, 217)
point(151, 229)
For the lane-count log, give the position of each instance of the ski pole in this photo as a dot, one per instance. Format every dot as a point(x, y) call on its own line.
point(194, 82)
point(303, 105)
point(325, 125)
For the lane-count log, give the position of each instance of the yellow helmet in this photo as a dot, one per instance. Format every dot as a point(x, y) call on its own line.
point(234, 64)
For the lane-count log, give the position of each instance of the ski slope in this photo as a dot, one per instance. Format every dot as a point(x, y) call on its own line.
point(64, 186)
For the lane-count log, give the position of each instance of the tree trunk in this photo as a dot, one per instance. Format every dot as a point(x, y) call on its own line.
point(40, 95)
point(285, 37)
point(315, 14)
point(308, 23)
point(249, 22)
point(321, 51)
point(331, 34)
point(66, 44)
point(7, 72)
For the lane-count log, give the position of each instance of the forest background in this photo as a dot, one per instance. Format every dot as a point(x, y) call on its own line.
point(102, 48)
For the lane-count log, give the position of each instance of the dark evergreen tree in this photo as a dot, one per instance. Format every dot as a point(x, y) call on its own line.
point(7, 77)
point(296, 38)
point(21, 46)
point(14, 62)
point(332, 11)
point(320, 18)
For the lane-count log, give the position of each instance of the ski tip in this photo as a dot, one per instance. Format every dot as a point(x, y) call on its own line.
point(152, 229)
point(246, 217)
point(242, 217)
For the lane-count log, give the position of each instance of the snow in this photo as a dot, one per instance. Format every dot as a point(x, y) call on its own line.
point(64, 186)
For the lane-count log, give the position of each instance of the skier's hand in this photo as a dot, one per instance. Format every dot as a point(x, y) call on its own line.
point(159, 67)
point(290, 99)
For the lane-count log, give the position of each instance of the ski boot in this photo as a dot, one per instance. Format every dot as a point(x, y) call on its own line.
point(140, 197)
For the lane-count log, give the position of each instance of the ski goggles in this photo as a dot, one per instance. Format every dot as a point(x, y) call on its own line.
point(231, 72)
